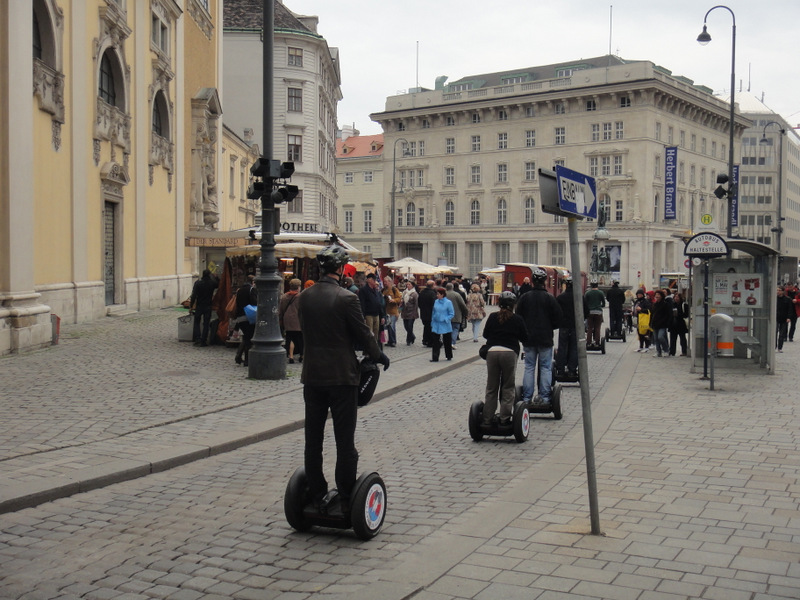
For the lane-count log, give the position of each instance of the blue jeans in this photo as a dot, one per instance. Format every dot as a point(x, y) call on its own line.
point(543, 355)
point(456, 330)
point(391, 329)
point(476, 327)
point(662, 343)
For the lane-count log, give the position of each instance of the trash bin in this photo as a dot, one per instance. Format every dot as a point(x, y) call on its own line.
point(185, 328)
point(724, 326)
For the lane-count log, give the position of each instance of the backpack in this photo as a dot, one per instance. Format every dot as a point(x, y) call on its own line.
point(644, 323)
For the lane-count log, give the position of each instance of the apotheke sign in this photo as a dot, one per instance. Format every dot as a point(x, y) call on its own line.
point(706, 245)
point(287, 227)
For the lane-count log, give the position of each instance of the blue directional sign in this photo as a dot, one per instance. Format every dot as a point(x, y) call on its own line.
point(577, 194)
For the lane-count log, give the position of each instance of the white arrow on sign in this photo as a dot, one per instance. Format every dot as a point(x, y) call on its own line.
point(576, 193)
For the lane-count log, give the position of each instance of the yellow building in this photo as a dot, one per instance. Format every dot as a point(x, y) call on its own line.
point(109, 162)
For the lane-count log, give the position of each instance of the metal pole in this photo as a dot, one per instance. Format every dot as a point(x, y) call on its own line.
point(267, 358)
point(705, 319)
point(733, 122)
point(583, 374)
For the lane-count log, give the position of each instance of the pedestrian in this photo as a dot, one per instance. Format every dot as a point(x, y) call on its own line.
point(660, 319)
point(641, 311)
point(594, 300)
point(627, 310)
point(542, 315)
point(372, 305)
point(442, 325)
point(427, 296)
point(525, 287)
point(350, 285)
point(200, 301)
point(790, 291)
point(476, 309)
point(246, 295)
point(678, 329)
point(332, 324)
point(616, 298)
point(290, 322)
point(308, 284)
point(567, 356)
point(409, 311)
point(783, 316)
point(460, 311)
point(504, 331)
point(392, 298)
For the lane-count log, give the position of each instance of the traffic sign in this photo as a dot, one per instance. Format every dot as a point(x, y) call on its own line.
point(577, 193)
point(705, 245)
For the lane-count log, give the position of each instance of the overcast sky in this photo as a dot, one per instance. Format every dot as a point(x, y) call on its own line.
point(377, 41)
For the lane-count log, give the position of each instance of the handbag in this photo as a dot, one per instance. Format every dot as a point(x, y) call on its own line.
point(231, 305)
point(250, 311)
point(483, 351)
point(384, 336)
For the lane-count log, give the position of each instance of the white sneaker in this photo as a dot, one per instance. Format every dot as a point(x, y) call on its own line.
point(646, 350)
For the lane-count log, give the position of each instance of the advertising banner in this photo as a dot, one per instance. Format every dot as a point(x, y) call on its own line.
point(734, 206)
point(734, 290)
point(670, 182)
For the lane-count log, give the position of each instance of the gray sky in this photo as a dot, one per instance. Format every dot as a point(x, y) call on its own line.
point(377, 41)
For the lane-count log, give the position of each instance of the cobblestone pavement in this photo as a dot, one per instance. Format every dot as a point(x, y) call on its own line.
point(698, 492)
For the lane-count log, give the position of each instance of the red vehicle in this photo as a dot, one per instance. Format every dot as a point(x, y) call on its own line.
point(517, 272)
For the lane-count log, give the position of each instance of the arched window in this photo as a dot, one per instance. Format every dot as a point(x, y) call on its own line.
point(502, 211)
point(656, 203)
point(37, 39)
point(681, 209)
point(411, 215)
point(161, 124)
point(107, 89)
point(530, 211)
point(475, 213)
point(157, 126)
point(450, 213)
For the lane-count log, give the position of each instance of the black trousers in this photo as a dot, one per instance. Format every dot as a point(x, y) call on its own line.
point(342, 400)
point(438, 340)
point(409, 326)
point(567, 349)
point(247, 330)
point(427, 334)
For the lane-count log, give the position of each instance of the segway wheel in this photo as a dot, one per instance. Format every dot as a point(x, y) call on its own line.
point(368, 510)
point(602, 346)
point(608, 333)
point(295, 500)
point(555, 400)
point(475, 418)
point(522, 422)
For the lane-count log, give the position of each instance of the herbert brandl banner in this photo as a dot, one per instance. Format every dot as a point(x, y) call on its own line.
point(670, 182)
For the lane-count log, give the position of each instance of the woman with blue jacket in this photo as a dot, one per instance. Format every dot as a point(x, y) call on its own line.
point(441, 325)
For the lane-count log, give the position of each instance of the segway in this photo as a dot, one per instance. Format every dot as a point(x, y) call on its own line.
point(537, 406)
point(519, 426)
point(601, 347)
point(610, 335)
point(565, 376)
point(365, 515)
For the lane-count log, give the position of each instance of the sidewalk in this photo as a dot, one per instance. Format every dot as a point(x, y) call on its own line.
point(121, 398)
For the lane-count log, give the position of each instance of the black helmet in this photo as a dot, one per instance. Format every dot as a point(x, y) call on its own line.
point(567, 279)
point(507, 300)
point(331, 258)
point(538, 275)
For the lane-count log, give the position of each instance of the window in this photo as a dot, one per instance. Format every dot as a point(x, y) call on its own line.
point(475, 174)
point(502, 173)
point(421, 220)
point(693, 143)
point(411, 215)
point(450, 145)
point(692, 175)
point(529, 111)
point(606, 131)
point(476, 143)
point(560, 108)
point(591, 105)
point(476, 117)
point(449, 121)
point(530, 171)
point(658, 131)
point(449, 175)
point(502, 115)
point(657, 167)
point(107, 89)
point(502, 212)
point(625, 102)
point(348, 177)
point(605, 166)
point(558, 253)
point(158, 127)
point(593, 168)
point(618, 212)
point(367, 176)
point(475, 251)
point(617, 165)
point(530, 252)
point(681, 172)
point(604, 207)
point(670, 135)
point(703, 177)
point(399, 217)
point(403, 179)
point(295, 143)
point(502, 141)
point(595, 132)
point(295, 100)
point(502, 252)
point(159, 34)
point(512, 80)
point(558, 219)
point(296, 205)
point(420, 178)
point(530, 138)
point(682, 143)
point(401, 126)
point(475, 212)
point(426, 124)
point(449, 214)
point(560, 162)
point(422, 148)
point(561, 136)
point(348, 221)
point(368, 220)
point(530, 211)
point(619, 130)
point(713, 149)
point(295, 57)
point(449, 252)
point(37, 37)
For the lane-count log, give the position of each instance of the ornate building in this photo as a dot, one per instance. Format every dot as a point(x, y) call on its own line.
point(109, 162)
point(469, 153)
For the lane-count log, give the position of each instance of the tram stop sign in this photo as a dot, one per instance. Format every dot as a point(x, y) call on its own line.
point(568, 193)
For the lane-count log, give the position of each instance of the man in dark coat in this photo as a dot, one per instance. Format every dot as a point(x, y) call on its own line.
point(246, 295)
point(615, 298)
point(200, 301)
point(542, 315)
point(525, 287)
point(427, 297)
point(372, 305)
point(332, 323)
point(784, 316)
point(567, 334)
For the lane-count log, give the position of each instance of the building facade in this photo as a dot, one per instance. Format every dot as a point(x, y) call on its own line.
point(469, 153)
point(110, 146)
point(306, 95)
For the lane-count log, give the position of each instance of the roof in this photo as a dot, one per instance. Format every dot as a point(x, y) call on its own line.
point(748, 103)
point(360, 146)
point(249, 14)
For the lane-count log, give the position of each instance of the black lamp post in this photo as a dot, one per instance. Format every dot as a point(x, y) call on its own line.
point(778, 229)
point(704, 38)
point(392, 209)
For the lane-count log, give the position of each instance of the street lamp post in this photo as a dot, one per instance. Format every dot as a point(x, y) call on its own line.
point(703, 39)
point(778, 229)
point(392, 209)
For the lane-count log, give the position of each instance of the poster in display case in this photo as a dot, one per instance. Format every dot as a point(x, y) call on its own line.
point(737, 290)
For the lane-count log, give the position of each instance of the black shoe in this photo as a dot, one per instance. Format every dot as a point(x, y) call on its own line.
point(238, 360)
point(434, 360)
point(203, 344)
point(291, 361)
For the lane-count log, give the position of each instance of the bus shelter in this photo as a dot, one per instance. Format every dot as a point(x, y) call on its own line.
point(741, 285)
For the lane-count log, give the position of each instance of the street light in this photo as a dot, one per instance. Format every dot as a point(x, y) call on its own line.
point(703, 39)
point(392, 209)
point(778, 229)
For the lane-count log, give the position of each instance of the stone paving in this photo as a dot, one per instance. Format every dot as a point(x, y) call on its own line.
point(698, 493)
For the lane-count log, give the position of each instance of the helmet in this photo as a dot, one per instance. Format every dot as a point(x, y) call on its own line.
point(567, 279)
point(331, 258)
point(538, 275)
point(507, 300)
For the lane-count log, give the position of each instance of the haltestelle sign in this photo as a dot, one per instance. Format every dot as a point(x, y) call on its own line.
point(706, 244)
